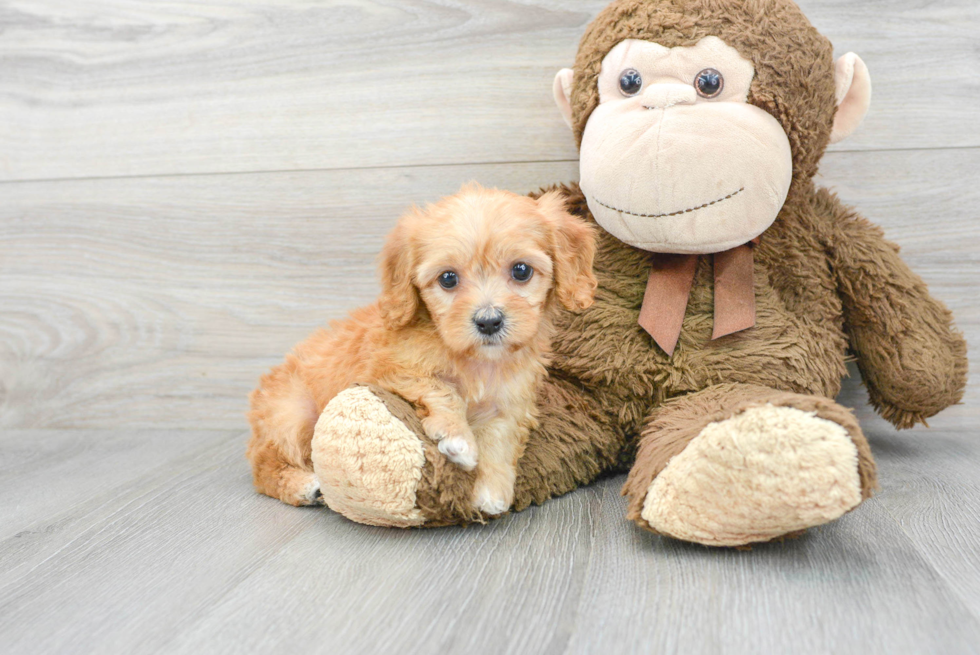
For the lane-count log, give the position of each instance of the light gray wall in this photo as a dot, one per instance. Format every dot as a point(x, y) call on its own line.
point(187, 189)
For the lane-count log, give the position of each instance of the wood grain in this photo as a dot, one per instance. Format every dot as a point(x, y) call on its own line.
point(930, 485)
point(184, 557)
point(510, 587)
point(122, 572)
point(857, 585)
point(157, 303)
point(46, 476)
point(123, 87)
point(932, 488)
point(187, 189)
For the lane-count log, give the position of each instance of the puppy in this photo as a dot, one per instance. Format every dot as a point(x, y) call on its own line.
point(462, 330)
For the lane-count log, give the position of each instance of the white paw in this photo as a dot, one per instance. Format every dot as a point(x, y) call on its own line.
point(311, 492)
point(490, 502)
point(459, 451)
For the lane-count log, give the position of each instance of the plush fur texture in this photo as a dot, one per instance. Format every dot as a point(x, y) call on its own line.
point(367, 461)
point(474, 390)
point(652, 177)
point(758, 475)
point(794, 66)
point(443, 493)
point(681, 420)
point(828, 286)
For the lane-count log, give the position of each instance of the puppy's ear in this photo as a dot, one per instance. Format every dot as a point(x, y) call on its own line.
point(575, 283)
point(399, 297)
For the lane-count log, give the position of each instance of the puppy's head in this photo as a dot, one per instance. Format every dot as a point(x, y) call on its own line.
point(485, 265)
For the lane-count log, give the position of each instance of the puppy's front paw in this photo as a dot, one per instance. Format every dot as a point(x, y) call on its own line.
point(455, 440)
point(492, 499)
point(459, 450)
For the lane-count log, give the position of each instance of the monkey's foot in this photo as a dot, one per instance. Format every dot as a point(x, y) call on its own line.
point(766, 472)
point(368, 462)
point(376, 466)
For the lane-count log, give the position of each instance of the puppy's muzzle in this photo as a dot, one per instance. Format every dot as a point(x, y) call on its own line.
point(488, 321)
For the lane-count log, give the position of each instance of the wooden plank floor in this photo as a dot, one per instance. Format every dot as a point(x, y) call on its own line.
point(153, 541)
point(187, 189)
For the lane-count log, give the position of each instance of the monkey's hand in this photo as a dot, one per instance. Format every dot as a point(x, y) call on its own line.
point(912, 359)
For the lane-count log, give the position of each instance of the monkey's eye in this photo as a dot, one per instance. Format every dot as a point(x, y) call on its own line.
point(448, 279)
point(521, 272)
point(709, 83)
point(630, 82)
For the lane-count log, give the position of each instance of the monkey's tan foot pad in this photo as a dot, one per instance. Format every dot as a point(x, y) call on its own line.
point(758, 475)
point(369, 462)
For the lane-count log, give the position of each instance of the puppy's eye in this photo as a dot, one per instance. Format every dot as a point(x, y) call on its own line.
point(521, 272)
point(630, 82)
point(709, 83)
point(448, 279)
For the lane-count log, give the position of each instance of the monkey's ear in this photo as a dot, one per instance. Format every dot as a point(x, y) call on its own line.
point(562, 89)
point(853, 95)
point(399, 297)
point(575, 283)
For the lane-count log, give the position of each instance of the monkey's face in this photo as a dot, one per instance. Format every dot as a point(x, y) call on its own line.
point(674, 159)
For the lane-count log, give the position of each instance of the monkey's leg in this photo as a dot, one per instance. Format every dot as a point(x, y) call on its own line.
point(577, 439)
point(737, 464)
point(376, 466)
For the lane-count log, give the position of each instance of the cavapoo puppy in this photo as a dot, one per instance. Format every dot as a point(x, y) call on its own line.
point(462, 330)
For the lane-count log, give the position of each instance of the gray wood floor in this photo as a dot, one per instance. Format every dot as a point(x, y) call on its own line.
point(187, 189)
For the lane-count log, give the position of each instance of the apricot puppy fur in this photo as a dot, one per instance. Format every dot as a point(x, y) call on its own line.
point(462, 330)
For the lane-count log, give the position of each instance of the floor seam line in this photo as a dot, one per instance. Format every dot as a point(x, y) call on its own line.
point(327, 169)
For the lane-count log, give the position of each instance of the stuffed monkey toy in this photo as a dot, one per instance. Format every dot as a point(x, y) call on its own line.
point(731, 291)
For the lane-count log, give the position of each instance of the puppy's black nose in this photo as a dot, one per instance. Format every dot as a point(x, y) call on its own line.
point(489, 321)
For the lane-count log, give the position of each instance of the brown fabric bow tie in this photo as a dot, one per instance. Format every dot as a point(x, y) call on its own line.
point(665, 299)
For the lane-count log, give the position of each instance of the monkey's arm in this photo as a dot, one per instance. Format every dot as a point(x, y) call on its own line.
point(444, 412)
point(912, 359)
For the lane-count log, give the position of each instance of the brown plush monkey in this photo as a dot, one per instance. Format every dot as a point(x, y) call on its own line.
point(730, 291)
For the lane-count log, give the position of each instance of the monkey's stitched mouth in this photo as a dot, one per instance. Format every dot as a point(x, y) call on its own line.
point(677, 213)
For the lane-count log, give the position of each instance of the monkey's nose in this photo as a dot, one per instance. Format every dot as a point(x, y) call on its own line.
point(662, 95)
point(489, 321)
